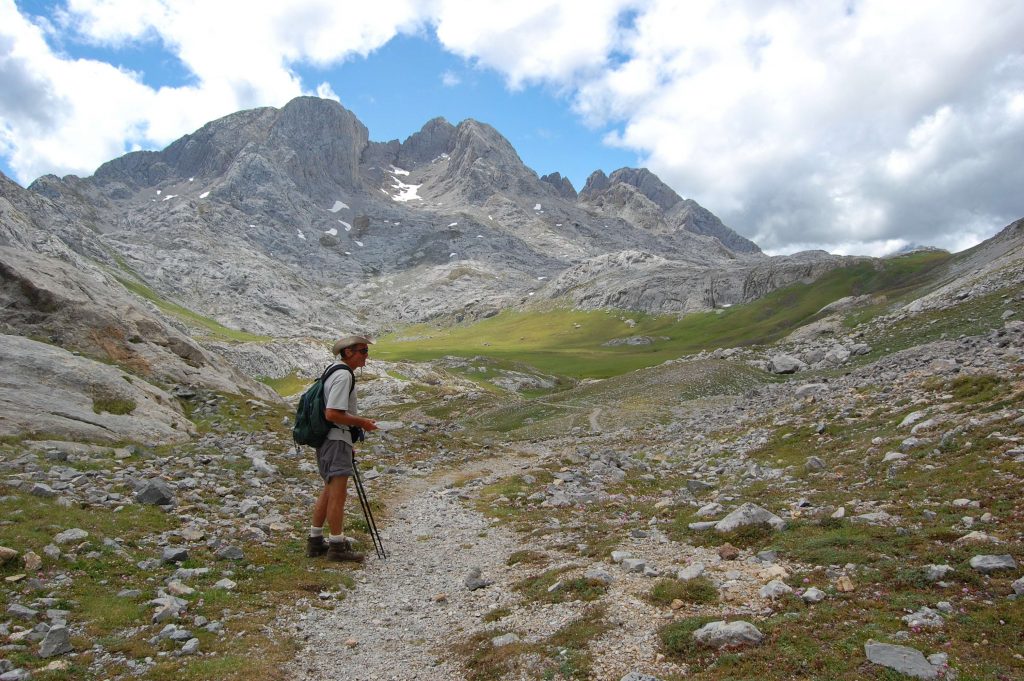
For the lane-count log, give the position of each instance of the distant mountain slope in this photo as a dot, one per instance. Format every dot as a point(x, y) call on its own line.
point(291, 221)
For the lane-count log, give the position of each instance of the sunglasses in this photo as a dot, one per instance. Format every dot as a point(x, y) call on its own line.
point(361, 351)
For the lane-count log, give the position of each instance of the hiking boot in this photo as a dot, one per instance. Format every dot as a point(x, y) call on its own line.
point(342, 552)
point(315, 546)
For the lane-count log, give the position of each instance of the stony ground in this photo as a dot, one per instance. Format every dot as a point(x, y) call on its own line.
point(861, 519)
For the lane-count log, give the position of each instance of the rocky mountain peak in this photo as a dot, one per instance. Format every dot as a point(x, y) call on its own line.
point(432, 140)
point(649, 185)
point(318, 143)
point(597, 182)
point(482, 162)
point(693, 217)
point(561, 184)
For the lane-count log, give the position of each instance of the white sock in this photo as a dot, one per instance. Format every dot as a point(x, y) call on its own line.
point(337, 538)
point(316, 532)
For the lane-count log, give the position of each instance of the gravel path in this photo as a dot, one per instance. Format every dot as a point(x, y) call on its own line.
point(403, 612)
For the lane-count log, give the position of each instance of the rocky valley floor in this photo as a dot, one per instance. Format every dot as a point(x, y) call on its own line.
point(859, 522)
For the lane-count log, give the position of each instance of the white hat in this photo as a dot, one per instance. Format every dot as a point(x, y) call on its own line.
point(349, 341)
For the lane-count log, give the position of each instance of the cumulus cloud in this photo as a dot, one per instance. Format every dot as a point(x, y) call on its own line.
point(533, 40)
point(450, 79)
point(81, 112)
point(845, 125)
point(827, 123)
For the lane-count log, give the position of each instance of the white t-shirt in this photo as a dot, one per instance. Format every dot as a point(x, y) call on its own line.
point(336, 396)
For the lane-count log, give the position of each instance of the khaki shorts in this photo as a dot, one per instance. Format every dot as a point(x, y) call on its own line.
point(334, 458)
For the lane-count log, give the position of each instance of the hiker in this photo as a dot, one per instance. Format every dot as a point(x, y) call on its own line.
point(334, 456)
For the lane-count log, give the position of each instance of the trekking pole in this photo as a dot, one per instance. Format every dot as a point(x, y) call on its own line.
point(378, 544)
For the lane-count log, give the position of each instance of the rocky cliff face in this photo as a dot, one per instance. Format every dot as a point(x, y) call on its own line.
point(61, 282)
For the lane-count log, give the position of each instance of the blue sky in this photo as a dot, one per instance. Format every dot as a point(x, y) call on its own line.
point(401, 86)
point(853, 126)
point(398, 88)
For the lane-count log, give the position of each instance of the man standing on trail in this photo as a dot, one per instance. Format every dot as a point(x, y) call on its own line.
point(334, 456)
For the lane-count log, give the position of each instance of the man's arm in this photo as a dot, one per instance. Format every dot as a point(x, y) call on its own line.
point(342, 418)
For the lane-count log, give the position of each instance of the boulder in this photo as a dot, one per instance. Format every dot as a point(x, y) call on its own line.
point(989, 564)
point(749, 514)
point(718, 634)
point(155, 492)
point(901, 659)
point(785, 364)
point(56, 642)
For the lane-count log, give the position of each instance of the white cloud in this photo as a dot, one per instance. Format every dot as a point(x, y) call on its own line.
point(84, 112)
point(796, 120)
point(532, 40)
point(825, 123)
point(450, 79)
point(325, 91)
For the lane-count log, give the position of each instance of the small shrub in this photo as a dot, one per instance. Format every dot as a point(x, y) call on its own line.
point(112, 405)
point(677, 637)
point(496, 614)
point(976, 389)
point(528, 557)
point(699, 590)
point(539, 588)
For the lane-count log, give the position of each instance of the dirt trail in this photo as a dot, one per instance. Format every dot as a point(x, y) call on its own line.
point(400, 618)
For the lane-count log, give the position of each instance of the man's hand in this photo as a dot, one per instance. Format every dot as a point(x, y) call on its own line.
point(369, 424)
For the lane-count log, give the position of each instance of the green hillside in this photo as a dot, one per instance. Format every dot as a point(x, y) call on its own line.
point(572, 342)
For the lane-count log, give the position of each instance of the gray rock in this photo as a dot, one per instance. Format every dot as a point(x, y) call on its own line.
point(175, 554)
point(749, 514)
point(57, 642)
point(987, 564)
point(68, 536)
point(860, 349)
point(619, 556)
point(901, 659)
point(42, 490)
point(814, 463)
point(925, 618)
point(225, 584)
point(504, 640)
point(809, 389)
point(637, 565)
point(698, 486)
point(912, 418)
point(599, 575)
point(702, 525)
point(21, 612)
point(16, 675)
point(229, 552)
point(813, 595)
point(712, 509)
point(785, 364)
point(155, 492)
point(637, 676)
point(1018, 587)
point(934, 573)
point(692, 571)
point(775, 589)
point(473, 580)
point(56, 390)
point(718, 634)
point(191, 647)
point(261, 467)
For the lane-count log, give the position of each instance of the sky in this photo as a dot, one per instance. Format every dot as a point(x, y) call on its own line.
point(853, 126)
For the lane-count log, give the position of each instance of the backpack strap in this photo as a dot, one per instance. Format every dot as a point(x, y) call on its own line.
point(334, 367)
point(323, 381)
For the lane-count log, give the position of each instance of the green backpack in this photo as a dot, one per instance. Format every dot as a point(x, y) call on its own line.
point(311, 427)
